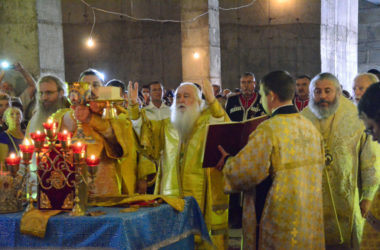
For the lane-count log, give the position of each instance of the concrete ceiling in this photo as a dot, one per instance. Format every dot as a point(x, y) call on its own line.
point(374, 1)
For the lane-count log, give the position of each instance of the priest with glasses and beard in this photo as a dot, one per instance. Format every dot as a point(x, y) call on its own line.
point(181, 141)
point(350, 178)
point(51, 97)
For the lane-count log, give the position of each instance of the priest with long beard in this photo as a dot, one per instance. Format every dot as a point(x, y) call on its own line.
point(181, 141)
point(51, 97)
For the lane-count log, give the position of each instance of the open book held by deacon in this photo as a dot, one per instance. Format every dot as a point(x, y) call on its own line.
point(232, 136)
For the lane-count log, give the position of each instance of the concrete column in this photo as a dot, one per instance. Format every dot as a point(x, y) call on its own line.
point(50, 37)
point(31, 34)
point(339, 39)
point(201, 38)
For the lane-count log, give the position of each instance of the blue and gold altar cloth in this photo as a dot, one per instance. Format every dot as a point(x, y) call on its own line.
point(147, 228)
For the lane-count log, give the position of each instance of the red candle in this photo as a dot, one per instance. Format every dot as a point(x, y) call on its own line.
point(79, 148)
point(92, 161)
point(13, 160)
point(49, 125)
point(26, 147)
point(38, 136)
point(64, 136)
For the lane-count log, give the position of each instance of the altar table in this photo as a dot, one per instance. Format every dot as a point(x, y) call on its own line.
point(147, 228)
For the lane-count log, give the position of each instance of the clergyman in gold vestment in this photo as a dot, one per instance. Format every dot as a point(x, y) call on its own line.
point(351, 173)
point(284, 153)
point(369, 112)
point(182, 145)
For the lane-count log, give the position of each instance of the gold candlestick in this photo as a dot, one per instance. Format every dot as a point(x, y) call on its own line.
point(77, 209)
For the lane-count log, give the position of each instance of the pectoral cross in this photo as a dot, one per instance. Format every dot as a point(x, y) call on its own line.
point(328, 156)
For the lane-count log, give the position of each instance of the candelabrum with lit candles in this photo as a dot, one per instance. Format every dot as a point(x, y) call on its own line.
point(61, 169)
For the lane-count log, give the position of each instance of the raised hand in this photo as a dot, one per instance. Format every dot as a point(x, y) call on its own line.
point(207, 91)
point(133, 92)
point(18, 67)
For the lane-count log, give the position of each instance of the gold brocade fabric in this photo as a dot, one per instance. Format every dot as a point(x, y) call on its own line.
point(127, 165)
point(34, 222)
point(289, 149)
point(176, 203)
point(353, 174)
point(152, 147)
point(371, 232)
point(181, 173)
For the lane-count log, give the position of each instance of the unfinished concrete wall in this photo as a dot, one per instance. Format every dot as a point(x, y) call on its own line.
point(339, 39)
point(19, 38)
point(200, 37)
point(124, 49)
point(369, 36)
point(32, 35)
point(270, 35)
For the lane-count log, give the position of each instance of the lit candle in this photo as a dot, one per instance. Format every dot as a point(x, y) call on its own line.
point(92, 161)
point(50, 129)
point(26, 147)
point(13, 160)
point(38, 136)
point(49, 125)
point(79, 148)
point(64, 136)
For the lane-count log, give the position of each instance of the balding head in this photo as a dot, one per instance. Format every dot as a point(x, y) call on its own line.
point(361, 83)
point(186, 95)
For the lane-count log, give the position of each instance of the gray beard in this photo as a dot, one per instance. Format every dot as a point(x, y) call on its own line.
point(323, 113)
point(185, 121)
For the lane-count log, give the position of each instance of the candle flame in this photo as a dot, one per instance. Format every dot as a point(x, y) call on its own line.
point(92, 157)
point(13, 156)
point(38, 132)
point(65, 132)
point(50, 121)
point(79, 144)
point(26, 142)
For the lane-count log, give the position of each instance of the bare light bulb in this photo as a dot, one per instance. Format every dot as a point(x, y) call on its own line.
point(90, 43)
point(196, 55)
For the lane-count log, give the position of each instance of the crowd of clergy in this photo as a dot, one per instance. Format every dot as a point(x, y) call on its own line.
point(307, 178)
